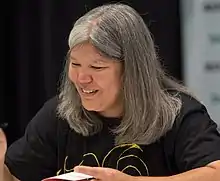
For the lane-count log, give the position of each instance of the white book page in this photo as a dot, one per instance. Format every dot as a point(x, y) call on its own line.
point(72, 176)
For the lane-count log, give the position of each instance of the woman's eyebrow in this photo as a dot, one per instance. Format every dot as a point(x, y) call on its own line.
point(73, 58)
point(98, 61)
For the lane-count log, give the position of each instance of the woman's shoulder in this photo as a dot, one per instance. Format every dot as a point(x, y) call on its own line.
point(192, 112)
point(47, 116)
point(51, 103)
point(193, 125)
point(192, 109)
point(190, 102)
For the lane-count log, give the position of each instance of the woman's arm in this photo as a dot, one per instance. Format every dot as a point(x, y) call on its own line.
point(211, 172)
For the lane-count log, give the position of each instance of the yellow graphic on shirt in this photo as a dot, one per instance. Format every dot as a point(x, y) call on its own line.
point(125, 157)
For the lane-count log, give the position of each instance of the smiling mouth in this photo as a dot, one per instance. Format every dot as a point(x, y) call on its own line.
point(88, 91)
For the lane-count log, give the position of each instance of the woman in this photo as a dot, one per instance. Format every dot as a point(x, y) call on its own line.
point(118, 115)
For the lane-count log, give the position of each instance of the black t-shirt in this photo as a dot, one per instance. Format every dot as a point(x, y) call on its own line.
point(49, 147)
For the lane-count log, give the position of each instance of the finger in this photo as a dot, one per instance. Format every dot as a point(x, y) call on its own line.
point(96, 172)
point(2, 137)
point(3, 144)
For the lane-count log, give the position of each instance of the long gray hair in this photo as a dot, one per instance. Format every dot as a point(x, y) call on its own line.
point(120, 33)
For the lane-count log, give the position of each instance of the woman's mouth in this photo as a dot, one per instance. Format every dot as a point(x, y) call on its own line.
point(88, 92)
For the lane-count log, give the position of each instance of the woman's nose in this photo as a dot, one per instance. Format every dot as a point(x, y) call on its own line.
point(84, 78)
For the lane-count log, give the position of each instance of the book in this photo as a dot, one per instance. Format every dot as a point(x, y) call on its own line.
point(72, 176)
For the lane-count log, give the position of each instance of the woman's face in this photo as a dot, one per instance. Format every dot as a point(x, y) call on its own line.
point(97, 80)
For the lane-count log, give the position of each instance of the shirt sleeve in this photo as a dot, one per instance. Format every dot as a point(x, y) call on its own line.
point(197, 142)
point(33, 157)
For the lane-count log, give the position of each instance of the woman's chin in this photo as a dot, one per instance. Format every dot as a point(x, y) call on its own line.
point(90, 108)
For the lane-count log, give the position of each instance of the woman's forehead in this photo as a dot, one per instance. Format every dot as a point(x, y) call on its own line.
point(88, 51)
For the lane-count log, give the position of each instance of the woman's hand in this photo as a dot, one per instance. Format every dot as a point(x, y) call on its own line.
point(104, 174)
